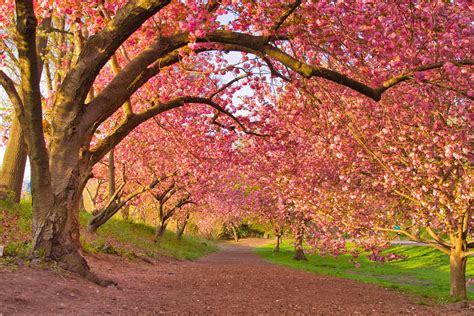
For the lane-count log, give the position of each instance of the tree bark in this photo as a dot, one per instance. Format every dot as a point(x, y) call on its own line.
point(180, 230)
point(14, 162)
point(458, 276)
point(111, 172)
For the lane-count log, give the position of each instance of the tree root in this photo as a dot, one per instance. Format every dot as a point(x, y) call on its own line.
point(75, 263)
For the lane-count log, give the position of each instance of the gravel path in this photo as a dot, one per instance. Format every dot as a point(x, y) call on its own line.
point(232, 281)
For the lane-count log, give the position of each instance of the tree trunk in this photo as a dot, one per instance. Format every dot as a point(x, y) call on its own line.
point(299, 252)
point(56, 230)
point(235, 233)
point(181, 226)
point(180, 230)
point(277, 245)
point(458, 276)
point(125, 212)
point(160, 230)
point(14, 162)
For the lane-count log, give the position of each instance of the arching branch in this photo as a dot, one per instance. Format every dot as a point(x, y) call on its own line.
point(9, 86)
point(132, 121)
point(97, 51)
point(165, 52)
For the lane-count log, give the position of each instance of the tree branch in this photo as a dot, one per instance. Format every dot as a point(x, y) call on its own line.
point(9, 87)
point(259, 43)
point(228, 84)
point(285, 16)
point(96, 52)
point(436, 245)
point(136, 119)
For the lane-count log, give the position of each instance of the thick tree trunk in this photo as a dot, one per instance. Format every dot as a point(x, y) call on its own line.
point(56, 232)
point(458, 276)
point(277, 244)
point(14, 162)
point(59, 172)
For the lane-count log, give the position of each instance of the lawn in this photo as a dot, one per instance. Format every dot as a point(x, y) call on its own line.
point(425, 272)
point(130, 236)
point(125, 238)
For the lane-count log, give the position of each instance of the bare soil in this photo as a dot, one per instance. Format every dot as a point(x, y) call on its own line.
point(232, 281)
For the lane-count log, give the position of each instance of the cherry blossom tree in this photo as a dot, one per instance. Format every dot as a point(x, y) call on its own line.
point(334, 44)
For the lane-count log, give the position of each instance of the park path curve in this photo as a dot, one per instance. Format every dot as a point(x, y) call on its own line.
point(233, 280)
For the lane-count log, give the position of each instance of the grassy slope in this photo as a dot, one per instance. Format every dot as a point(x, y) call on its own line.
point(116, 236)
point(425, 272)
point(137, 238)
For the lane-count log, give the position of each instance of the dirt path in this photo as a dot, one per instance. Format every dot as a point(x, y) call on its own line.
point(232, 281)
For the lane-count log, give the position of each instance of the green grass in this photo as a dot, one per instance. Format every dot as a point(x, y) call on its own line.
point(425, 272)
point(15, 228)
point(117, 236)
point(137, 238)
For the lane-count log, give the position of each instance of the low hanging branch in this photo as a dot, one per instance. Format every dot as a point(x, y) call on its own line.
point(135, 119)
point(116, 203)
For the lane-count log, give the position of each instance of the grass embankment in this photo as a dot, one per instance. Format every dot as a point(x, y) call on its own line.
point(425, 272)
point(124, 238)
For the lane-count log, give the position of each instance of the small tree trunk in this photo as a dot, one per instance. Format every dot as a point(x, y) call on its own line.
point(14, 162)
point(180, 230)
point(299, 252)
point(277, 245)
point(160, 230)
point(458, 276)
point(125, 212)
point(181, 226)
point(235, 233)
